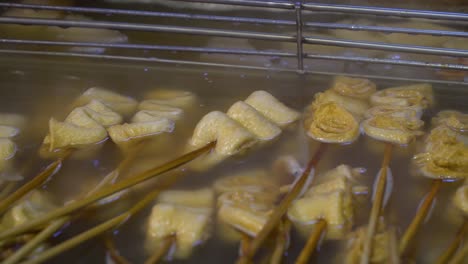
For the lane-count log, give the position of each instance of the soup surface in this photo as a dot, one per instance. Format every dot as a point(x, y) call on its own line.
point(40, 89)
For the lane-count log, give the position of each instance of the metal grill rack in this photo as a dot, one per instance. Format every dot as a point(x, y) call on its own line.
point(299, 38)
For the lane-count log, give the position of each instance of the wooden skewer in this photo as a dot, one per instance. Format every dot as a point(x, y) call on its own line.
point(107, 191)
point(32, 244)
point(312, 242)
point(38, 180)
point(460, 255)
point(448, 253)
point(393, 247)
point(6, 189)
point(95, 231)
point(113, 252)
point(377, 204)
point(57, 224)
point(282, 208)
point(161, 251)
point(244, 244)
point(419, 218)
point(281, 242)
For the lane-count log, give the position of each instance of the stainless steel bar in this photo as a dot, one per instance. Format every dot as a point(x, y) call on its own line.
point(234, 19)
point(386, 47)
point(385, 11)
point(389, 61)
point(235, 52)
point(383, 29)
point(148, 47)
point(148, 28)
point(249, 3)
point(209, 64)
point(108, 11)
point(299, 50)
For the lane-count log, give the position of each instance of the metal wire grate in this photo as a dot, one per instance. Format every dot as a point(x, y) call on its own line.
point(24, 46)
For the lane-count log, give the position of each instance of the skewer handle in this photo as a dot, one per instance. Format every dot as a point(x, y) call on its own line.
point(312, 242)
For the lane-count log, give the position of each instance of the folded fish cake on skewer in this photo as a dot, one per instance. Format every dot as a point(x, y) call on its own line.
point(330, 200)
point(121, 104)
point(256, 120)
point(244, 203)
point(272, 108)
point(83, 127)
point(186, 215)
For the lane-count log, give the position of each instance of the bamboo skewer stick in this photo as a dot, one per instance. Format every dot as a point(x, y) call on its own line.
point(279, 211)
point(105, 192)
point(31, 245)
point(162, 251)
point(244, 244)
point(419, 218)
point(38, 180)
point(393, 247)
point(113, 252)
point(448, 253)
point(312, 242)
point(377, 204)
point(460, 255)
point(281, 242)
point(95, 231)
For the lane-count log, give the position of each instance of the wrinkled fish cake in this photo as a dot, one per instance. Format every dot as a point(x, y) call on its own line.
point(173, 97)
point(409, 112)
point(230, 136)
point(460, 199)
point(35, 204)
point(196, 198)
point(272, 108)
point(164, 110)
point(126, 132)
point(331, 123)
point(190, 226)
point(445, 155)
point(393, 128)
point(123, 105)
point(380, 253)
point(64, 134)
point(454, 120)
point(410, 95)
point(355, 106)
point(254, 121)
point(353, 87)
